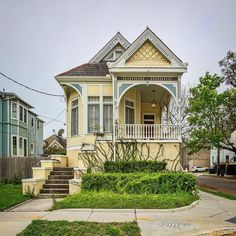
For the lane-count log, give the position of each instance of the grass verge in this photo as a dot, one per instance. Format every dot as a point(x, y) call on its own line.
point(110, 200)
point(10, 195)
point(219, 194)
point(77, 228)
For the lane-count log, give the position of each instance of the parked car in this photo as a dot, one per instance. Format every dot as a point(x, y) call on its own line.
point(199, 169)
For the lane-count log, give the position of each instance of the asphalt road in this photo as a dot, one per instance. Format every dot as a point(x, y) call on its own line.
point(217, 183)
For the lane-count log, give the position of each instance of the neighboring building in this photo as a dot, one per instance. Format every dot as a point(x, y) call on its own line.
point(21, 131)
point(225, 156)
point(120, 94)
point(54, 142)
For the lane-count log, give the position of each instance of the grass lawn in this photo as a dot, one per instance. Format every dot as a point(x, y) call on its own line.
point(10, 195)
point(110, 200)
point(79, 228)
point(219, 194)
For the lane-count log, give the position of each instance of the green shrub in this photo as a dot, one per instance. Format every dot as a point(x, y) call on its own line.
point(139, 183)
point(134, 166)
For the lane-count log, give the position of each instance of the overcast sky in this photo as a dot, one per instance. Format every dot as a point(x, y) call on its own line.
point(40, 39)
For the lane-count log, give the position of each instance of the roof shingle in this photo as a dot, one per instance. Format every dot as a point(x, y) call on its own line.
point(88, 69)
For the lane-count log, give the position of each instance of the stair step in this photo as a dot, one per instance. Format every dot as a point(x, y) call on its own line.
point(57, 181)
point(65, 186)
point(59, 172)
point(55, 190)
point(61, 177)
point(48, 195)
point(63, 169)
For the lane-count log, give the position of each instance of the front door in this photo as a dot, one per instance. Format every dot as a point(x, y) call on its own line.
point(149, 120)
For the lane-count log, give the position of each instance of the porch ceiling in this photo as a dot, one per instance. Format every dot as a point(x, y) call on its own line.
point(147, 94)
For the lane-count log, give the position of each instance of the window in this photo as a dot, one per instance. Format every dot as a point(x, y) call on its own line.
point(14, 110)
point(25, 115)
point(21, 113)
point(25, 147)
point(14, 145)
point(74, 117)
point(38, 124)
point(21, 146)
point(107, 114)
point(129, 112)
point(32, 121)
point(31, 148)
point(93, 114)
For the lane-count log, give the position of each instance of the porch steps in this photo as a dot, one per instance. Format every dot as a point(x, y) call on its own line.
point(57, 184)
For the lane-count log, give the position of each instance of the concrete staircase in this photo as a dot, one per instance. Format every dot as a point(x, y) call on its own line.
point(57, 184)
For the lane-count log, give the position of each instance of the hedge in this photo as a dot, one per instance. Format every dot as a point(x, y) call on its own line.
point(134, 166)
point(139, 183)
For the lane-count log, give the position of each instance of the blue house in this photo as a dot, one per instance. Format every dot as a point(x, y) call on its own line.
point(21, 130)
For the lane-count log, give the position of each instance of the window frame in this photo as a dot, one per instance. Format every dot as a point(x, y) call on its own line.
point(24, 114)
point(110, 103)
point(134, 108)
point(14, 103)
point(12, 146)
point(32, 153)
point(99, 115)
point(73, 107)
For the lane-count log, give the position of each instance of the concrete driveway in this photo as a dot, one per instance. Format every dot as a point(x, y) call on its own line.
point(211, 214)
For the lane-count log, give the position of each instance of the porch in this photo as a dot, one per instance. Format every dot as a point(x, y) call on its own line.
point(148, 132)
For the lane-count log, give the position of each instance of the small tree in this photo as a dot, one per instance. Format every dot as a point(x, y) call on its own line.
point(207, 115)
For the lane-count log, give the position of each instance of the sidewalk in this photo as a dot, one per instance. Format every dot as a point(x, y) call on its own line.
point(209, 215)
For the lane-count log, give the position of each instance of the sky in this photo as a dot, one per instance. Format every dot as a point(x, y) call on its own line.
point(41, 39)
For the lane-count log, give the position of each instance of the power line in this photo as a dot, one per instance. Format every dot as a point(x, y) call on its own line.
point(27, 87)
point(49, 118)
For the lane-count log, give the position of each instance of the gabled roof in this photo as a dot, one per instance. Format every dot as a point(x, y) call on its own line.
point(88, 69)
point(52, 138)
point(117, 39)
point(157, 42)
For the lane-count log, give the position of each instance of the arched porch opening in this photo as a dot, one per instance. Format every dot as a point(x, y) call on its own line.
point(140, 112)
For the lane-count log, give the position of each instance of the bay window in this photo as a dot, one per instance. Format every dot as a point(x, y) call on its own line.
point(93, 114)
point(107, 114)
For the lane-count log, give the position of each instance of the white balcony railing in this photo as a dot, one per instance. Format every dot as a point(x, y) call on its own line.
point(148, 132)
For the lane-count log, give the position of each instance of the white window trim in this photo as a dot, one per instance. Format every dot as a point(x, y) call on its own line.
point(106, 103)
point(18, 152)
point(76, 98)
point(12, 145)
point(130, 100)
point(24, 109)
point(100, 112)
point(14, 118)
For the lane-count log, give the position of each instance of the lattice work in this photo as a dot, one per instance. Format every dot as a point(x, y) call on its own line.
point(148, 55)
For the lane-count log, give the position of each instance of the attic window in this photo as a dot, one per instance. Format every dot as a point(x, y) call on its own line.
point(117, 53)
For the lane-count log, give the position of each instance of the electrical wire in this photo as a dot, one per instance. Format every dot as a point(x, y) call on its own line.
point(32, 89)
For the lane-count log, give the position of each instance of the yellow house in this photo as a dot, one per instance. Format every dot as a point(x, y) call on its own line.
point(119, 95)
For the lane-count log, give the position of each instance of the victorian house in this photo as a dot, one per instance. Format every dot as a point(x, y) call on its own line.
point(120, 94)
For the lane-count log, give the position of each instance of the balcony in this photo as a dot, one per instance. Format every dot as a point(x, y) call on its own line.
point(148, 132)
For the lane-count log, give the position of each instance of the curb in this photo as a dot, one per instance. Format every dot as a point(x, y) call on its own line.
point(19, 204)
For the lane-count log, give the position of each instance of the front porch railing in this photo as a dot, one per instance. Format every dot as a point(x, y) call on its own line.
point(148, 132)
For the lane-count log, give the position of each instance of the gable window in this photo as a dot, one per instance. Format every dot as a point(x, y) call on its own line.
point(74, 117)
point(107, 114)
point(129, 112)
point(93, 114)
point(14, 110)
point(14, 145)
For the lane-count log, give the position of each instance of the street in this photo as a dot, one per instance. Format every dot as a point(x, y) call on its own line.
point(217, 184)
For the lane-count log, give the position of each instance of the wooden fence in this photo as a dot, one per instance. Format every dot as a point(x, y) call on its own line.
point(18, 167)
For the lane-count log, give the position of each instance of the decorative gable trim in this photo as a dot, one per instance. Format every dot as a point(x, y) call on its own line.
point(117, 39)
point(148, 35)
